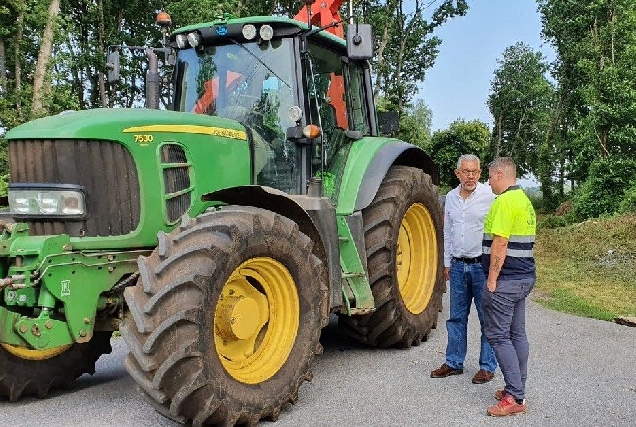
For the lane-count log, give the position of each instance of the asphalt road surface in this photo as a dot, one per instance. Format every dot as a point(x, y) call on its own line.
point(582, 373)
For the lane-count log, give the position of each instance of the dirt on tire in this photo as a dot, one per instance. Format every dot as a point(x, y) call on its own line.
point(21, 377)
point(174, 340)
point(392, 324)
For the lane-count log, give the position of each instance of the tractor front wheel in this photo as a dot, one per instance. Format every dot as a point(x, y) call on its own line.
point(404, 247)
point(25, 372)
point(226, 317)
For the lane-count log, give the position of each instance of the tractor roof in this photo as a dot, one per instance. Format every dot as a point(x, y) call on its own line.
point(274, 21)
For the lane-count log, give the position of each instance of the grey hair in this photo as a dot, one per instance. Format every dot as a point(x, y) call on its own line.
point(467, 158)
point(504, 164)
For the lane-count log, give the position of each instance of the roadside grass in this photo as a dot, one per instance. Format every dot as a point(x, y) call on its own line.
point(588, 269)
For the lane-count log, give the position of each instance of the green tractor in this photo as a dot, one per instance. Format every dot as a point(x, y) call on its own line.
point(219, 237)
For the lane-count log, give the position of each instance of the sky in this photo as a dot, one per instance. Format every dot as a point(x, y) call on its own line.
point(458, 85)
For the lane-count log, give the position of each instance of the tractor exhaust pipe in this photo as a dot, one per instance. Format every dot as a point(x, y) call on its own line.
point(350, 11)
point(152, 80)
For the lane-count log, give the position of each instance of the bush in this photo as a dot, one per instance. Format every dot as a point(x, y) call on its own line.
point(4, 179)
point(628, 204)
point(564, 208)
point(555, 221)
point(602, 192)
point(536, 198)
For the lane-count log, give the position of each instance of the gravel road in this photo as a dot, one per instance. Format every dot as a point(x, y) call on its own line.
point(582, 373)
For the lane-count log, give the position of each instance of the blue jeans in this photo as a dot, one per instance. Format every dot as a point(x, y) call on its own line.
point(467, 282)
point(505, 326)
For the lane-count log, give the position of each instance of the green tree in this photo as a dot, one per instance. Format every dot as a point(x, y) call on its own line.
point(521, 102)
point(186, 12)
point(415, 125)
point(607, 188)
point(462, 137)
point(594, 41)
point(406, 46)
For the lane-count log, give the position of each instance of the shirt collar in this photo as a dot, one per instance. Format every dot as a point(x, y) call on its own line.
point(512, 187)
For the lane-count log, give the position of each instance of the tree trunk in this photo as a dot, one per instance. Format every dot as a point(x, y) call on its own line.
point(383, 43)
point(73, 69)
point(18, 68)
point(561, 179)
point(499, 136)
point(44, 57)
point(100, 46)
point(400, 59)
point(3, 69)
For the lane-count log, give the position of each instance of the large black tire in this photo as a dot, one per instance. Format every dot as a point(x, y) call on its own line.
point(35, 373)
point(403, 232)
point(226, 317)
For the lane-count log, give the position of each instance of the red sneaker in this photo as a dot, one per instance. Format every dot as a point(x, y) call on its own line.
point(507, 406)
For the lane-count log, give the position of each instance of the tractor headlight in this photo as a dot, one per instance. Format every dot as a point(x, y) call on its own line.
point(194, 38)
point(266, 32)
point(295, 113)
point(249, 31)
point(181, 40)
point(64, 201)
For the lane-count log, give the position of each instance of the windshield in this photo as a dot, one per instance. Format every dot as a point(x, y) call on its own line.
point(253, 84)
point(236, 81)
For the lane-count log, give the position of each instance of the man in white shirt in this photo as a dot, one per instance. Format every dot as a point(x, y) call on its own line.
point(465, 210)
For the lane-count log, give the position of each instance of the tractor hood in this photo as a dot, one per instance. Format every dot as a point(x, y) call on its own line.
point(107, 123)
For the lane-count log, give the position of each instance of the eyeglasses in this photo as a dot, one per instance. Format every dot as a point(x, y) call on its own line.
point(466, 172)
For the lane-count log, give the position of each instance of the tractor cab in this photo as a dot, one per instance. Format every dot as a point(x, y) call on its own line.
point(293, 87)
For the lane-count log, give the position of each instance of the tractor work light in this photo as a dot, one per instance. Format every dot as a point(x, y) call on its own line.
point(181, 40)
point(63, 201)
point(266, 32)
point(194, 38)
point(249, 31)
point(295, 113)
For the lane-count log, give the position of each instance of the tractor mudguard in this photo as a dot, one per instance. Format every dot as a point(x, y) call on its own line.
point(363, 174)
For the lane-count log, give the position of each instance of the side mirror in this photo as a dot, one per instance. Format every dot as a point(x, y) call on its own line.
point(112, 65)
point(359, 41)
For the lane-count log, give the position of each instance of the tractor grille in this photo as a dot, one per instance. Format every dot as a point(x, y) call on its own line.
point(176, 178)
point(105, 169)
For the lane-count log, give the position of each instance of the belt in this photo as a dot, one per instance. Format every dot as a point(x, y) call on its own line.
point(468, 260)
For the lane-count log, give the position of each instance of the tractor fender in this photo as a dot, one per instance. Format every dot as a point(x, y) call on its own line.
point(315, 216)
point(393, 152)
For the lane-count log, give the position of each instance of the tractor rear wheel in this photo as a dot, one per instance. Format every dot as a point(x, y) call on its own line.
point(26, 372)
point(404, 247)
point(226, 317)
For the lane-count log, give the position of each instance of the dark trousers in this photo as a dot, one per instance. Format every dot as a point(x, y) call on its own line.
point(505, 329)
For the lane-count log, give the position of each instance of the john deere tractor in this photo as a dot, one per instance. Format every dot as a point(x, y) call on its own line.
point(220, 237)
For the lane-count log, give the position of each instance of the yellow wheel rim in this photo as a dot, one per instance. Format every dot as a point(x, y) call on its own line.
point(256, 320)
point(29, 354)
point(417, 258)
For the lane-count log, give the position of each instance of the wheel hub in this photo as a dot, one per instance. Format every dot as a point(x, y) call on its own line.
point(237, 317)
point(256, 320)
point(416, 258)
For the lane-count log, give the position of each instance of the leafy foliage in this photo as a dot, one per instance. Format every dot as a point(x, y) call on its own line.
point(406, 46)
point(628, 204)
point(4, 167)
point(415, 125)
point(595, 70)
point(521, 102)
point(603, 191)
point(462, 137)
